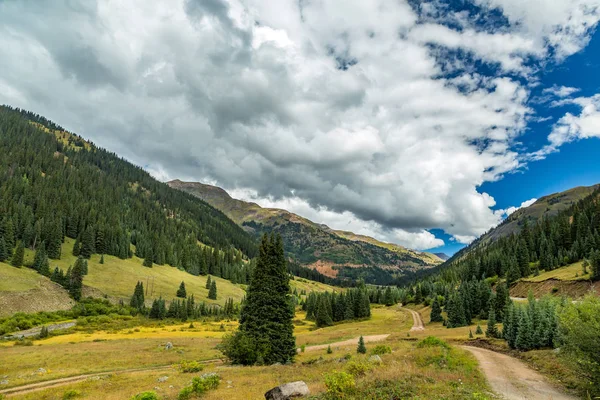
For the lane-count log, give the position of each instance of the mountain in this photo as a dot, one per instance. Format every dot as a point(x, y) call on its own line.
point(442, 256)
point(56, 185)
point(331, 252)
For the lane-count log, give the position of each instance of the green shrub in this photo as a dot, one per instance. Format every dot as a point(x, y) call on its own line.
point(24, 342)
point(190, 366)
point(432, 341)
point(358, 368)
point(150, 395)
point(71, 394)
point(329, 351)
point(303, 348)
point(381, 349)
point(199, 386)
point(339, 384)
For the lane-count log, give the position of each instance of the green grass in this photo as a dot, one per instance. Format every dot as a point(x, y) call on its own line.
point(571, 272)
point(18, 279)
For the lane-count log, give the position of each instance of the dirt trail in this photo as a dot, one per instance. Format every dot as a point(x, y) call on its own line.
point(349, 342)
point(36, 331)
point(34, 387)
point(512, 379)
point(417, 321)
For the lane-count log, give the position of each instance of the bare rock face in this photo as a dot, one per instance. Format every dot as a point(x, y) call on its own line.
point(288, 391)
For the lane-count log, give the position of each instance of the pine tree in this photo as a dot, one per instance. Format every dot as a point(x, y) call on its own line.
point(76, 279)
point(266, 327)
point(492, 329)
point(44, 333)
point(479, 331)
point(329, 351)
point(595, 265)
point(3, 250)
point(470, 334)
point(17, 259)
point(148, 260)
point(77, 247)
point(208, 282)
point(212, 293)
point(524, 339)
point(155, 310)
point(436, 311)
point(87, 243)
point(361, 349)
point(456, 312)
point(40, 257)
point(323, 318)
point(181, 291)
point(102, 259)
point(137, 300)
point(388, 298)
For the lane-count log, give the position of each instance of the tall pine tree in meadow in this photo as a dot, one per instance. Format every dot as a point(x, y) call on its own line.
point(322, 315)
point(18, 256)
point(40, 256)
point(208, 282)
point(212, 293)
point(181, 291)
point(76, 279)
point(436, 311)
point(266, 331)
point(137, 300)
point(3, 250)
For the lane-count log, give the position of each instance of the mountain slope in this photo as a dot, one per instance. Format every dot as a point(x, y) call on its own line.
point(56, 185)
point(309, 243)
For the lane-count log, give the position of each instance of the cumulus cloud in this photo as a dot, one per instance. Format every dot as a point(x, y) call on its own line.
point(503, 213)
point(342, 111)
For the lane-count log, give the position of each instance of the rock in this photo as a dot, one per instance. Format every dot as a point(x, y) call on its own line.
point(41, 370)
point(277, 364)
point(171, 386)
point(168, 346)
point(288, 391)
point(156, 388)
point(163, 379)
point(4, 382)
point(375, 359)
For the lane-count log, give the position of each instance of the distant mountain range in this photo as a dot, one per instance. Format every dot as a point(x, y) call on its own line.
point(331, 252)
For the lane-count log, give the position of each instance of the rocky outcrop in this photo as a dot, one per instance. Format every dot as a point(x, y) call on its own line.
point(292, 390)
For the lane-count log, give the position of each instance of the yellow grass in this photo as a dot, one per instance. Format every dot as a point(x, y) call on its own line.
point(571, 272)
point(17, 279)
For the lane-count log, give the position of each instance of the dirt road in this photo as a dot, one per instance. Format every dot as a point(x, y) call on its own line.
point(512, 379)
point(36, 331)
point(417, 321)
point(349, 342)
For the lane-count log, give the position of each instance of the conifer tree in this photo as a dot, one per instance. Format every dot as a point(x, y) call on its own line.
point(40, 256)
point(524, 339)
point(479, 331)
point(266, 330)
point(208, 282)
point(470, 334)
point(181, 291)
point(361, 349)
point(595, 265)
point(456, 312)
point(436, 311)
point(3, 250)
point(17, 259)
point(87, 243)
point(492, 329)
point(388, 297)
point(76, 279)
point(45, 267)
point(148, 260)
point(77, 247)
point(212, 293)
point(137, 300)
point(102, 259)
point(323, 318)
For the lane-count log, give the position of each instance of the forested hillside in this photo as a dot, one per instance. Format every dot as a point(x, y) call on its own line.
point(54, 184)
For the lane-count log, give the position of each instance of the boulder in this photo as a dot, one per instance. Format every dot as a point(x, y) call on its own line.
point(168, 346)
point(287, 391)
point(163, 379)
point(375, 359)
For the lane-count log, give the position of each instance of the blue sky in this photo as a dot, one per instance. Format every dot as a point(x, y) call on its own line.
point(416, 122)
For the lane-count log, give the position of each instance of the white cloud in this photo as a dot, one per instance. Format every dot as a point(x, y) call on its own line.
point(561, 91)
point(339, 110)
point(503, 213)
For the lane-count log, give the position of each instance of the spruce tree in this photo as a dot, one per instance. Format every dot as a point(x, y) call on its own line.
point(492, 329)
point(40, 256)
point(212, 293)
point(323, 318)
point(208, 282)
point(102, 259)
point(595, 265)
point(266, 330)
point(181, 291)
point(479, 331)
point(76, 279)
point(436, 311)
point(524, 339)
point(388, 298)
point(137, 300)
point(77, 247)
point(456, 312)
point(148, 260)
point(361, 349)
point(3, 250)
point(18, 256)
point(87, 243)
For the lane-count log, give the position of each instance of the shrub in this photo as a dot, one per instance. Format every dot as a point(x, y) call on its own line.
point(381, 349)
point(190, 366)
point(432, 341)
point(239, 348)
point(150, 395)
point(24, 342)
point(361, 346)
point(329, 351)
point(199, 386)
point(358, 368)
point(44, 333)
point(71, 394)
point(339, 384)
point(302, 348)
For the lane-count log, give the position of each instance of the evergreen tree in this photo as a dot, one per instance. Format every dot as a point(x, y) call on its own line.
point(361, 349)
point(76, 279)
point(479, 331)
point(77, 247)
point(82, 264)
point(137, 300)
point(388, 297)
point(40, 257)
point(212, 293)
point(266, 331)
point(323, 318)
point(208, 282)
point(3, 250)
point(102, 259)
point(181, 291)
point(436, 311)
point(524, 339)
point(595, 265)
point(17, 259)
point(148, 260)
point(456, 312)
point(492, 329)
point(87, 243)
point(470, 334)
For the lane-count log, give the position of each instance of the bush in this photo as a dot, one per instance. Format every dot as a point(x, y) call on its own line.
point(381, 349)
point(339, 384)
point(240, 349)
point(432, 341)
point(199, 386)
point(190, 366)
point(358, 368)
point(71, 394)
point(329, 351)
point(151, 395)
point(24, 342)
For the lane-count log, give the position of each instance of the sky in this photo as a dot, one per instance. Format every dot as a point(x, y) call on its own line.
point(423, 123)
